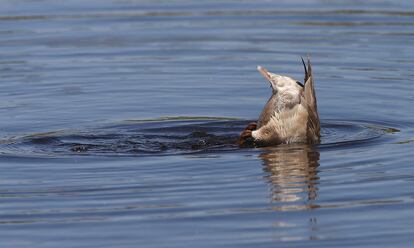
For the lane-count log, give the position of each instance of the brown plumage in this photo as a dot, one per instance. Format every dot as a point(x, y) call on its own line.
point(289, 116)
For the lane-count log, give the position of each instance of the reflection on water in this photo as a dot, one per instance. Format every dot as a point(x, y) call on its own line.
point(292, 175)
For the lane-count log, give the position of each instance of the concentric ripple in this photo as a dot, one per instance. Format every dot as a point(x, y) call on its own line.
point(183, 135)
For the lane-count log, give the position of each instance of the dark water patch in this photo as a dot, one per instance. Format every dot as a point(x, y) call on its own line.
point(168, 136)
point(353, 24)
point(215, 13)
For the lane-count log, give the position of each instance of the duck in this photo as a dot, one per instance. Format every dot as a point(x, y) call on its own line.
point(289, 116)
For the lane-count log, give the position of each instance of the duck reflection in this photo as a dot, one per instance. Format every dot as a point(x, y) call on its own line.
point(292, 173)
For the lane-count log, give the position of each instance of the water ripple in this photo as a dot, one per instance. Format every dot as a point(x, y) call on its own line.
point(167, 136)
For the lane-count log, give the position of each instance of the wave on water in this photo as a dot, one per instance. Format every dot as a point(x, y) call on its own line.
point(168, 136)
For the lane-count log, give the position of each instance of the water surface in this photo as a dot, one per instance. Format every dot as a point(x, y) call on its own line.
point(118, 122)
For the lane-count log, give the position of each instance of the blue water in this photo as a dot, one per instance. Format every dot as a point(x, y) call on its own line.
point(118, 121)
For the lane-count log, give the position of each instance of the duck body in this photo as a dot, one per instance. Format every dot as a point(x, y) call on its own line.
point(289, 116)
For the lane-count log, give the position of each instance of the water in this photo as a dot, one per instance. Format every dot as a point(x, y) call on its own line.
point(118, 121)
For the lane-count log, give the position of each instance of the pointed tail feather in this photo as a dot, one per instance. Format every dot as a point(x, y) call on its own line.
point(314, 126)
